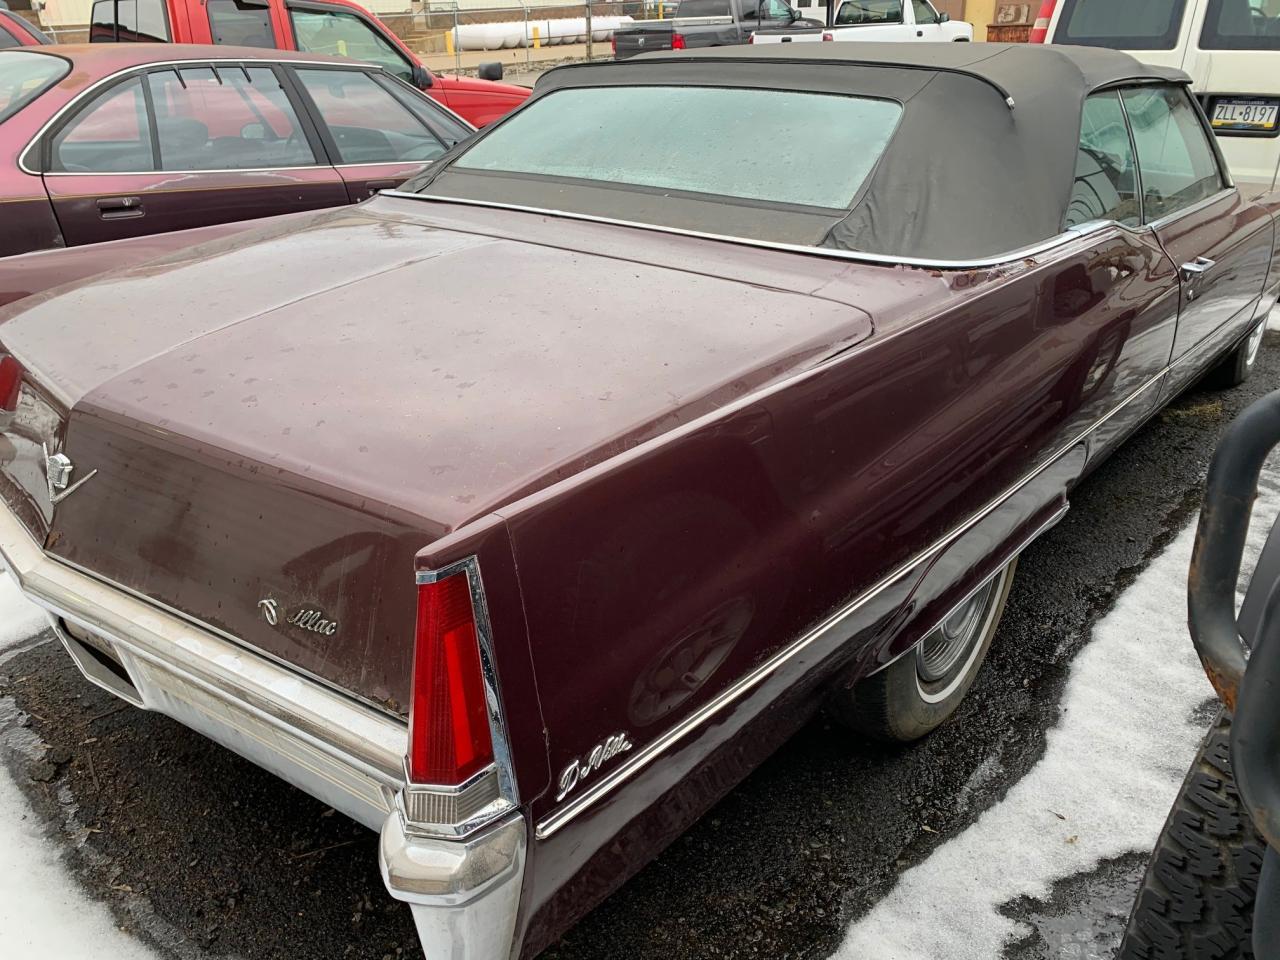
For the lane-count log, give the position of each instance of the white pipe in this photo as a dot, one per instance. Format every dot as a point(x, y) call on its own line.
point(519, 33)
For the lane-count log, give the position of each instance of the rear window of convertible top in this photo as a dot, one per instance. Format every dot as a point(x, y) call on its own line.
point(775, 146)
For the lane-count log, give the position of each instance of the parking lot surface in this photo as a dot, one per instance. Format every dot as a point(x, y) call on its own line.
point(1018, 828)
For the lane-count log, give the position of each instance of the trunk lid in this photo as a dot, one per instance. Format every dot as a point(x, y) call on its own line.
point(288, 441)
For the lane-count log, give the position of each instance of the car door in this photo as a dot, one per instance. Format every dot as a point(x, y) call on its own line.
point(338, 32)
point(1126, 288)
point(880, 20)
point(926, 23)
point(184, 146)
point(377, 131)
point(1220, 241)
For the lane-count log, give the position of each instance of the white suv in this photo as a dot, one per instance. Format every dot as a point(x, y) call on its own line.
point(1231, 49)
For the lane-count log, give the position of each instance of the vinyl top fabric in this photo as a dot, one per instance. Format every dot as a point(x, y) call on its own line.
point(982, 163)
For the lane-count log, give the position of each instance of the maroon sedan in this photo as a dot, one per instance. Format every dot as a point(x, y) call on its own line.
point(17, 32)
point(105, 141)
point(519, 513)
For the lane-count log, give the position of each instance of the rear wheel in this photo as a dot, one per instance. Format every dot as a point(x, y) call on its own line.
point(1235, 368)
point(919, 691)
point(1196, 901)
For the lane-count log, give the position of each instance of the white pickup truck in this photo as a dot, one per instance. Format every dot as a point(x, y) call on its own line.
point(879, 20)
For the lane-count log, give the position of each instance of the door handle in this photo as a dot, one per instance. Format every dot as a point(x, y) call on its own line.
point(1195, 269)
point(120, 208)
point(373, 186)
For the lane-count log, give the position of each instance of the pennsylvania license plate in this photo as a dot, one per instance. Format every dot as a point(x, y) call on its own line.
point(1260, 115)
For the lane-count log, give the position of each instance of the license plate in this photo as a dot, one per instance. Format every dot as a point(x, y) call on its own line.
point(1245, 115)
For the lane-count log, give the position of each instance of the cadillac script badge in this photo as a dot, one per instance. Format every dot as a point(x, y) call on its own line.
point(57, 474)
point(307, 618)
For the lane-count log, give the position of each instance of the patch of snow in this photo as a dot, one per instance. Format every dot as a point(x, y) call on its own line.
point(43, 911)
point(1111, 769)
point(1273, 319)
point(19, 617)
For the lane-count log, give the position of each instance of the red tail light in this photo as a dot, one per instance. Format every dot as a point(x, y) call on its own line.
point(449, 739)
point(828, 36)
point(10, 382)
point(677, 41)
point(613, 43)
point(1040, 31)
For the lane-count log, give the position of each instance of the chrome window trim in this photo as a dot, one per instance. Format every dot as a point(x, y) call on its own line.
point(1067, 236)
point(508, 798)
point(78, 101)
point(310, 166)
point(643, 756)
point(1022, 253)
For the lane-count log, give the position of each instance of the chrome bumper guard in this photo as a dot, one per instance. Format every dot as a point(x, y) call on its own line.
point(464, 894)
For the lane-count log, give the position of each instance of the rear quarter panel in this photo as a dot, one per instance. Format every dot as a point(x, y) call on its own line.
point(656, 585)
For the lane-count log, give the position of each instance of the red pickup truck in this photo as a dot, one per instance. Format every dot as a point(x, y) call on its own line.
point(335, 27)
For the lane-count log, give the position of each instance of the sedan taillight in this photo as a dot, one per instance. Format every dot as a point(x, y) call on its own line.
point(10, 382)
point(449, 738)
point(677, 41)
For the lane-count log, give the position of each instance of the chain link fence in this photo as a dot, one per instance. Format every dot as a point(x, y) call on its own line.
point(525, 38)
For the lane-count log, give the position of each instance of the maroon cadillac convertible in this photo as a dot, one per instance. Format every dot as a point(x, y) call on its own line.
point(519, 513)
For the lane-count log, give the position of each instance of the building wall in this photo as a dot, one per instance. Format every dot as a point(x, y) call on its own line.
point(981, 13)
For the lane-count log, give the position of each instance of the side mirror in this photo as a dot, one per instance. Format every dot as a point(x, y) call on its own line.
point(422, 78)
point(491, 70)
point(944, 18)
point(253, 131)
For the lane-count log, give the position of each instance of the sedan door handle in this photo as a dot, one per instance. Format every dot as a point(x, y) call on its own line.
point(373, 186)
point(1197, 268)
point(120, 208)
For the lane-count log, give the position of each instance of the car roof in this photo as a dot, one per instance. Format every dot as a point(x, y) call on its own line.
point(1018, 70)
point(102, 59)
point(982, 163)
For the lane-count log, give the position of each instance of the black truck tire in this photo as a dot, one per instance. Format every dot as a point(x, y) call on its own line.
point(1196, 900)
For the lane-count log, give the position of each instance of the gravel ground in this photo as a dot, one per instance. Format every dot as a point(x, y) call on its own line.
point(199, 853)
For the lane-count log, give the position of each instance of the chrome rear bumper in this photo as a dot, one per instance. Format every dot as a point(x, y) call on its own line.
point(464, 893)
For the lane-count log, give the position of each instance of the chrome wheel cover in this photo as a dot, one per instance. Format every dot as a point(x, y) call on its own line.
point(945, 657)
point(1255, 343)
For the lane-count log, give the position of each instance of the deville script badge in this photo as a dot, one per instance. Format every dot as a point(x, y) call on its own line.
point(57, 474)
point(579, 770)
point(307, 618)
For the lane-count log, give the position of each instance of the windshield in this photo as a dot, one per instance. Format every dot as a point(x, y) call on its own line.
point(1241, 25)
point(1131, 25)
point(24, 76)
point(750, 144)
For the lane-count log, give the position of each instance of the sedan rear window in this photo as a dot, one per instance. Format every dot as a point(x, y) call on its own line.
point(748, 144)
point(1130, 25)
point(24, 76)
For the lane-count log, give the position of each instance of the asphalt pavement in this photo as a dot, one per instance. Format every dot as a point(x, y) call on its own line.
point(197, 853)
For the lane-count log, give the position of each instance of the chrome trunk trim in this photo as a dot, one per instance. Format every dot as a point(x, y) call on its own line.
point(329, 745)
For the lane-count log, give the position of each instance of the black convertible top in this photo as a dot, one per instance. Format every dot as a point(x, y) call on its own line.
point(982, 164)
